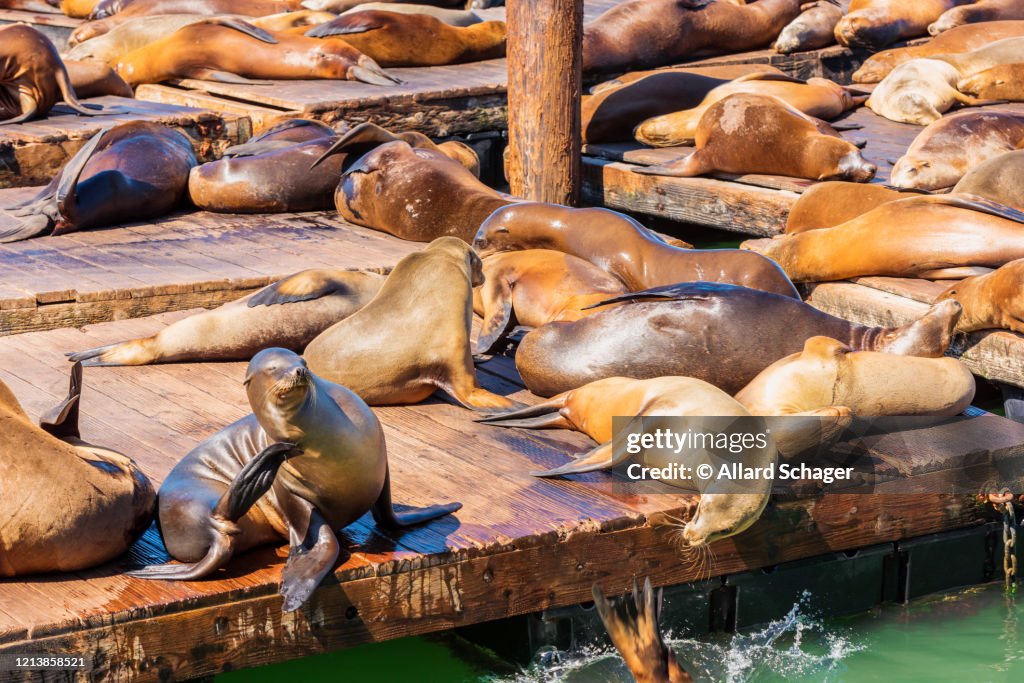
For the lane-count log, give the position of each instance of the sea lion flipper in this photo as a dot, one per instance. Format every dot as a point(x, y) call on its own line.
point(72, 171)
point(359, 22)
point(499, 319)
point(313, 553)
point(363, 134)
point(33, 225)
point(223, 77)
point(974, 202)
point(599, 459)
point(62, 420)
point(251, 149)
point(302, 286)
point(539, 416)
point(384, 513)
point(368, 71)
point(243, 27)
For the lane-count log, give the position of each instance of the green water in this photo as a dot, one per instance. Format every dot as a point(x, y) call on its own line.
point(970, 635)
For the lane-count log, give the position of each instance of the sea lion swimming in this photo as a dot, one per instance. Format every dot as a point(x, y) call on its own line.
point(992, 301)
point(875, 24)
point(814, 28)
point(128, 172)
point(978, 11)
point(622, 247)
point(307, 462)
point(67, 505)
point(1000, 179)
point(920, 92)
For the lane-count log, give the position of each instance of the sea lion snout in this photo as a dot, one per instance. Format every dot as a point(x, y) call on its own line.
point(857, 168)
point(276, 370)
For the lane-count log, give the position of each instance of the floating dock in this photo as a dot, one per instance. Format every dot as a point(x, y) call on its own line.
point(54, 25)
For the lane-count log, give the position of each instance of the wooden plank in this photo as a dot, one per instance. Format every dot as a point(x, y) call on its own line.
point(54, 25)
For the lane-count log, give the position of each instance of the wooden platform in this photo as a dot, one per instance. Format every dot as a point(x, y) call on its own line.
point(32, 153)
point(54, 25)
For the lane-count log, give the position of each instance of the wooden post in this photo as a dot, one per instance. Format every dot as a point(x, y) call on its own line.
point(545, 50)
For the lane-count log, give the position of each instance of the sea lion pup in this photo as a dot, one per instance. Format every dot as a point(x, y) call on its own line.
point(748, 133)
point(308, 461)
point(919, 92)
point(33, 78)
point(826, 205)
point(289, 313)
point(814, 28)
point(976, 12)
point(999, 53)
point(452, 17)
point(96, 79)
point(875, 24)
point(944, 151)
point(1000, 179)
point(641, 34)
point(125, 173)
point(535, 287)
point(396, 39)
point(871, 384)
point(816, 97)
point(960, 39)
point(233, 51)
point(991, 301)
point(415, 194)
point(691, 330)
point(67, 505)
point(1004, 82)
point(622, 247)
point(413, 337)
point(931, 236)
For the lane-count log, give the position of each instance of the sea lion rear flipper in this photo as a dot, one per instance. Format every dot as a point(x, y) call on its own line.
point(36, 224)
point(302, 286)
point(544, 415)
point(62, 420)
point(368, 71)
point(72, 171)
point(384, 513)
point(599, 459)
point(71, 99)
point(358, 22)
point(365, 133)
point(686, 167)
point(313, 552)
point(846, 125)
point(223, 77)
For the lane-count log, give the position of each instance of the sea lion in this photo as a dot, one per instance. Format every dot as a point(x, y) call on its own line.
point(875, 24)
point(960, 39)
point(233, 51)
point(1000, 179)
point(920, 92)
point(281, 136)
point(129, 172)
point(67, 505)
point(725, 72)
point(978, 11)
point(535, 287)
point(1004, 82)
point(871, 384)
point(285, 21)
point(622, 247)
point(999, 53)
point(452, 17)
point(130, 35)
point(814, 28)
point(342, 6)
point(817, 97)
point(930, 236)
point(648, 33)
point(96, 79)
point(396, 39)
point(827, 205)
point(413, 337)
point(308, 461)
point(40, 6)
point(748, 133)
point(414, 194)
point(719, 333)
point(33, 78)
point(77, 9)
point(944, 151)
point(992, 301)
point(289, 313)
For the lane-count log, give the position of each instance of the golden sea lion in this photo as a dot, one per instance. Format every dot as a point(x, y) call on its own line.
point(413, 337)
point(875, 24)
point(452, 17)
point(342, 6)
point(395, 39)
point(992, 301)
point(920, 92)
point(814, 28)
point(748, 133)
point(826, 205)
point(1000, 179)
point(976, 12)
point(67, 505)
point(998, 53)
point(308, 461)
point(77, 9)
point(131, 35)
point(1004, 82)
point(96, 79)
point(816, 97)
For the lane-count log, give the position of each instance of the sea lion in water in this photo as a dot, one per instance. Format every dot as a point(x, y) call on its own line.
point(95, 79)
point(289, 313)
point(992, 301)
point(827, 205)
point(1000, 179)
point(960, 39)
point(875, 24)
point(691, 330)
point(413, 337)
point(67, 505)
point(129, 172)
point(944, 151)
point(233, 51)
point(623, 247)
point(414, 194)
point(814, 28)
point(395, 39)
point(979, 11)
point(307, 462)
point(920, 92)
point(931, 236)
point(1004, 82)
point(999, 53)
point(535, 287)
point(816, 97)
point(748, 133)
point(647, 33)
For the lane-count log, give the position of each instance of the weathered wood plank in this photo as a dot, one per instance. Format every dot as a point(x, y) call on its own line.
point(54, 25)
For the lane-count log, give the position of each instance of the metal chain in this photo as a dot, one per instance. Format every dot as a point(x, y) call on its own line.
point(1010, 546)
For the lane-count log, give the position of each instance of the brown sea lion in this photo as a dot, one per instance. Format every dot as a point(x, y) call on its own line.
point(452, 17)
point(993, 301)
point(944, 151)
point(725, 72)
point(920, 92)
point(1000, 179)
point(932, 236)
point(285, 21)
point(719, 333)
point(413, 337)
point(535, 287)
point(233, 51)
point(125, 173)
point(647, 33)
point(96, 79)
point(814, 28)
point(816, 97)
point(342, 6)
point(747, 133)
point(289, 313)
point(67, 505)
point(875, 24)
point(998, 53)
point(280, 136)
point(395, 39)
point(78, 9)
point(826, 205)
point(960, 39)
point(622, 247)
point(308, 461)
point(871, 384)
point(976, 12)
point(129, 35)
point(40, 6)
point(415, 194)
point(1004, 82)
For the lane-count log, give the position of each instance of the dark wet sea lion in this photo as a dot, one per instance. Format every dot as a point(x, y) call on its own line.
point(308, 461)
point(814, 28)
point(725, 72)
point(66, 505)
point(623, 247)
point(977, 12)
point(993, 301)
point(875, 24)
point(722, 334)
point(826, 205)
point(1000, 179)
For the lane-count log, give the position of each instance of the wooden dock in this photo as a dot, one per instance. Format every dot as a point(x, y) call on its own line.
point(54, 25)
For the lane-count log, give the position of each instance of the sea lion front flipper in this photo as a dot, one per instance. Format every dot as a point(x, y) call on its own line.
point(599, 459)
point(305, 285)
point(546, 415)
point(385, 516)
point(358, 22)
point(369, 71)
point(62, 420)
point(65, 193)
point(955, 273)
point(363, 135)
point(243, 27)
point(22, 117)
point(313, 552)
point(499, 318)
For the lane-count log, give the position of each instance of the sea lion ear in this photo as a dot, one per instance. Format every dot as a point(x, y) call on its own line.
point(825, 347)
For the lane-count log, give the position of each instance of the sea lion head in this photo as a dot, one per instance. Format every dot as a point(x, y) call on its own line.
point(516, 227)
point(910, 172)
point(278, 384)
point(867, 29)
point(721, 515)
point(853, 166)
point(876, 67)
point(463, 252)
